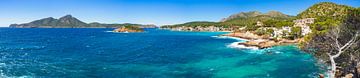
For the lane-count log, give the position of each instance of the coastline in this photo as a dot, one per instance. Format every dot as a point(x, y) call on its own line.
point(260, 42)
point(251, 40)
point(191, 31)
point(213, 54)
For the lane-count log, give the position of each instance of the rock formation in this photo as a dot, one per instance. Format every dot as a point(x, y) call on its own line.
point(127, 29)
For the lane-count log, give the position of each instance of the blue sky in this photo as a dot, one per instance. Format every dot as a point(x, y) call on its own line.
point(159, 12)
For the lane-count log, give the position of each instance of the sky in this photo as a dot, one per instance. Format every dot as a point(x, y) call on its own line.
point(158, 12)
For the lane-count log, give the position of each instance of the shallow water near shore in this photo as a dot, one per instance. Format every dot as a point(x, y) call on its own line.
point(151, 54)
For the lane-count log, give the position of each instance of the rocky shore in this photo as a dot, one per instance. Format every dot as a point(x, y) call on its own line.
point(254, 40)
point(260, 41)
point(127, 29)
point(200, 28)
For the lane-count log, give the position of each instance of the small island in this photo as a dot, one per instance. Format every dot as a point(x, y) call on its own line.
point(127, 29)
point(68, 21)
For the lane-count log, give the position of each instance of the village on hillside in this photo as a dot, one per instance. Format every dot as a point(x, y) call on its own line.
point(277, 36)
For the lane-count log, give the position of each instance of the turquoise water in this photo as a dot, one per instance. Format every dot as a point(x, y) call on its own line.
point(153, 54)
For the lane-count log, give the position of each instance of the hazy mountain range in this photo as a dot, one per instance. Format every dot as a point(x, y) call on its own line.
point(69, 21)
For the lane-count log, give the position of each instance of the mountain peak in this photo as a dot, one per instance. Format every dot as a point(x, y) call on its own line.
point(276, 14)
point(254, 12)
point(69, 20)
point(67, 17)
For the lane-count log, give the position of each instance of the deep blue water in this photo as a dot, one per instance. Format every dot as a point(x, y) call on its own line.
point(155, 53)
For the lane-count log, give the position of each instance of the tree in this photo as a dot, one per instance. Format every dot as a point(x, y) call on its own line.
point(339, 46)
point(251, 28)
point(295, 33)
point(269, 31)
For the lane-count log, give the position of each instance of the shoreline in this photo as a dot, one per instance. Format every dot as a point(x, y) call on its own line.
point(192, 31)
point(261, 42)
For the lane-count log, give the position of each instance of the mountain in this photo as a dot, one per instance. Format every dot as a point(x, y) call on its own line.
point(249, 18)
point(69, 21)
point(270, 14)
point(197, 23)
point(325, 9)
point(44, 22)
point(241, 19)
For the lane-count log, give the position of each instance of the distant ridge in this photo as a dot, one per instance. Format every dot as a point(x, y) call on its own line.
point(241, 19)
point(69, 21)
point(250, 14)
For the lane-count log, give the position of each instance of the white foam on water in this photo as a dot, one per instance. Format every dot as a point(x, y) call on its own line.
point(236, 45)
point(108, 31)
point(228, 37)
point(253, 49)
point(16, 76)
point(2, 74)
point(124, 32)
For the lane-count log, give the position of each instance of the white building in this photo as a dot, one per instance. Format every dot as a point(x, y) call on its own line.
point(304, 24)
point(281, 32)
point(258, 23)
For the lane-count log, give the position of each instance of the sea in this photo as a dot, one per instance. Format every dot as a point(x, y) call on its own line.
point(155, 53)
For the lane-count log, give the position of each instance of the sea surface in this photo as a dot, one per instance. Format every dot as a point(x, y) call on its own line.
point(94, 53)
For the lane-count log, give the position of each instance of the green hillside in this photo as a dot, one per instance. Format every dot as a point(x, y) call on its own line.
point(243, 19)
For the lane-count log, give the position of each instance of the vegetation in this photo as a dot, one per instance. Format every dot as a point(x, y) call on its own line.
point(278, 23)
point(324, 43)
point(269, 31)
point(336, 42)
point(247, 19)
point(260, 32)
point(133, 28)
point(251, 28)
point(295, 33)
point(264, 32)
point(327, 16)
point(326, 9)
point(196, 23)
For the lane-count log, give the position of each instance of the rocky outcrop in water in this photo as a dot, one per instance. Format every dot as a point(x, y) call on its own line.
point(260, 42)
point(128, 29)
point(200, 28)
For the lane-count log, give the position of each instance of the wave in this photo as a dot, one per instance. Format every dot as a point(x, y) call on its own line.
point(108, 31)
point(236, 45)
point(250, 49)
point(229, 37)
point(3, 75)
point(116, 32)
point(124, 32)
point(254, 49)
